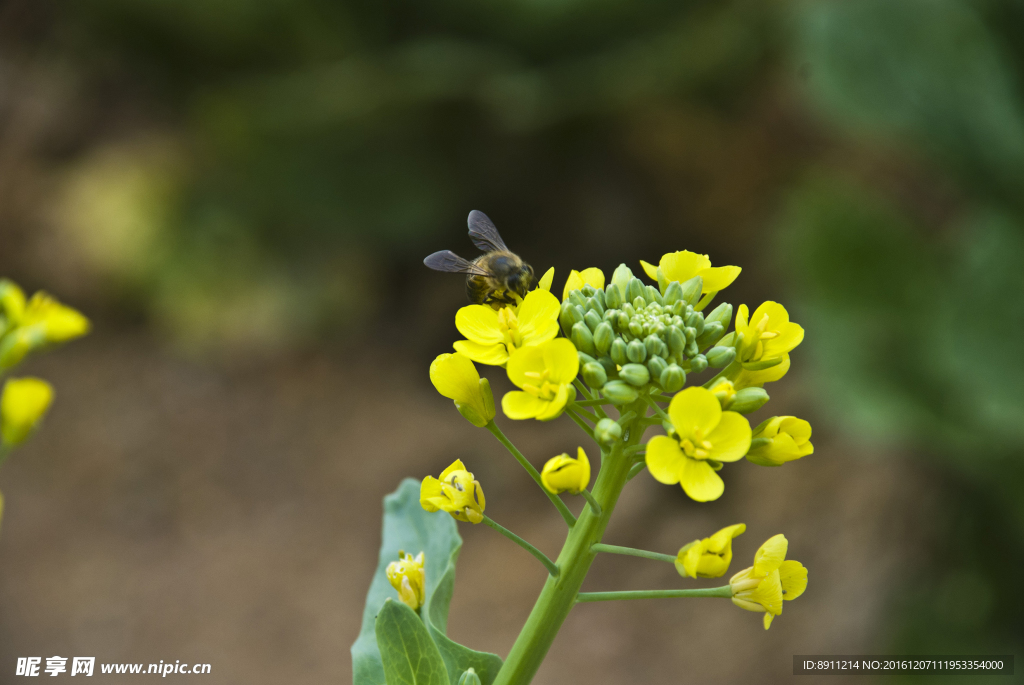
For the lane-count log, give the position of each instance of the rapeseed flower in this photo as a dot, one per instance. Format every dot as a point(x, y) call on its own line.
point(22, 406)
point(768, 334)
point(684, 265)
point(545, 373)
point(577, 279)
point(710, 557)
point(563, 473)
point(780, 439)
point(408, 577)
point(493, 335)
point(455, 492)
point(455, 377)
point(772, 579)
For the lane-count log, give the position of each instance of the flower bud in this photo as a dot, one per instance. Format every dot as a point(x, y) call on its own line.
point(673, 378)
point(748, 400)
point(721, 314)
point(673, 293)
point(636, 289)
point(576, 297)
point(582, 338)
point(696, 322)
point(607, 432)
point(567, 316)
point(618, 352)
point(565, 474)
point(691, 350)
point(635, 374)
point(18, 343)
point(676, 340)
point(691, 290)
point(651, 294)
point(636, 328)
point(603, 337)
point(720, 357)
point(725, 391)
point(710, 557)
point(585, 358)
point(636, 351)
point(594, 375)
point(408, 577)
point(698, 363)
point(621, 278)
point(12, 302)
point(713, 332)
point(455, 492)
point(22, 406)
point(612, 296)
point(469, 678)
point(619, 392)
point(780, 439)
point(455, 377)
point(592, 319)
point(654, 345)
point(598, 298)
point(656, 365)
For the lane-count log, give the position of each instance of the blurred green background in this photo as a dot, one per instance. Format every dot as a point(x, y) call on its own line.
point(241, 193)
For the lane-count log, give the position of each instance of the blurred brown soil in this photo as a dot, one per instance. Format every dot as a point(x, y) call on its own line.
point(171, 510)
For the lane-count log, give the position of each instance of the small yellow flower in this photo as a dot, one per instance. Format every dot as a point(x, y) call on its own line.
point(780, 439)
point(563, 473)
point(545, 373)
point(710, 557)
point(22, 406)
point(492, 336)
point(455, 377)
point(577, 279)
point(684, 265)
point(408, 577)
point(59, 322)
point(767, 334)
point(704, 434)
point(455, 492)
point(763, 586)
point(747, 378)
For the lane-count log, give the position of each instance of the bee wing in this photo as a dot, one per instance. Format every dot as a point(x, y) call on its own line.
point(484, 234)
point(446, 260)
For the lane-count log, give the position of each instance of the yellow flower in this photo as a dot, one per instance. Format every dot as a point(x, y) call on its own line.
point(545, 373)
point(22, 406)
point(545, 281)
point(780, 439)
point(763, 586)
point(408, 577)
point(710, 557)
point(563, 473)
point(492, 336)
point(455, 492)
point(59, 322)
point(684, 265)
point(747, 378)
point(577, 279)
point(704, 433)
point(455, 377)
point(768, 334)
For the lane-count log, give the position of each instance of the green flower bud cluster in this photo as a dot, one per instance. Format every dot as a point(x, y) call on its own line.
point(631, 335)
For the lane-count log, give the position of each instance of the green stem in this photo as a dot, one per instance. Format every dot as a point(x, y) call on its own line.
point(632, 552)
point(558, 596)
point(658, 410)
point(591, 403)
point(630, 451)
point(637, 468)
point(559, 504)
point(724, 591)
point(591, 397)
point(583, 412)
point(590, 500)
point(626, 418)
point(579, 422)
point(541, 557)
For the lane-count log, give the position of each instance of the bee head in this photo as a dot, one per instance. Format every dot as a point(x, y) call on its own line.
point(521, 279)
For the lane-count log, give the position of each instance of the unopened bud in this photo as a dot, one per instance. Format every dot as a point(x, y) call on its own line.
point(654, 345)
point(618, 352)
point(621, 278)
point(698, 363)
point(469, 678)
point(607, 432)
point(636, 289)
point(721, 314)
point(636, 375)
point(619, 392)
point(583, 339)
point(676, 340)
point(713, 332)
point(636, 351)
point(594, 375)
point(673, 378)
point(652, 295)
point(656, 365)
point(612, 296)
point(696, 322)
point(748, 400)
point(603, 337)
point(636, 328)
point(595, 305)
point(673, 293)
point(720, 357)
point(691, 290)
point(18, 343)
point(592, 319)
point(576, 297)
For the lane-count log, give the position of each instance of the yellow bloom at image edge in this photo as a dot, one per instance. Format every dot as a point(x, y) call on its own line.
point(772, 579)
point(408, 577)
point(24, 403)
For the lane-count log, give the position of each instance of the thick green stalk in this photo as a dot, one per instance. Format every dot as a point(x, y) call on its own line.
point(558, 596)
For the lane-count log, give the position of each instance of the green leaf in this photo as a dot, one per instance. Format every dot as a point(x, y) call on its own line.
point(408, 654)
point(408, 527)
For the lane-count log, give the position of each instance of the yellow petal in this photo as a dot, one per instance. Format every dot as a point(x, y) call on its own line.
point(456, 465)
point(700, 481)
point(479, 323)
point(718, 278)
point(574, 282)
point(546, 279)
point(690, 559)
point(769, 593)
point(695, 412)
point(793, 576)
point(538, 317)
point(520, 405)
point(684, 265)
point(22, 406)
point(650, 269)
point(744, 378)
point(798, 428)
point(455, 377)
point(664, 459)
point(730, 439)
point(561, 359)
point(718, 541)
point(770, 555)
point(430, 490)
point(523, 361)
point(593, 277)
point(492, 355)
point(768, 618)
point(554, 407)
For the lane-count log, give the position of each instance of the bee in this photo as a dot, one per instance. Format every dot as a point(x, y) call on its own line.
point(497, 277)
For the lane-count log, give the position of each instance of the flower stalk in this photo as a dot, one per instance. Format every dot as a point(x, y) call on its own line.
point(541, 557)
point(724, 591)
